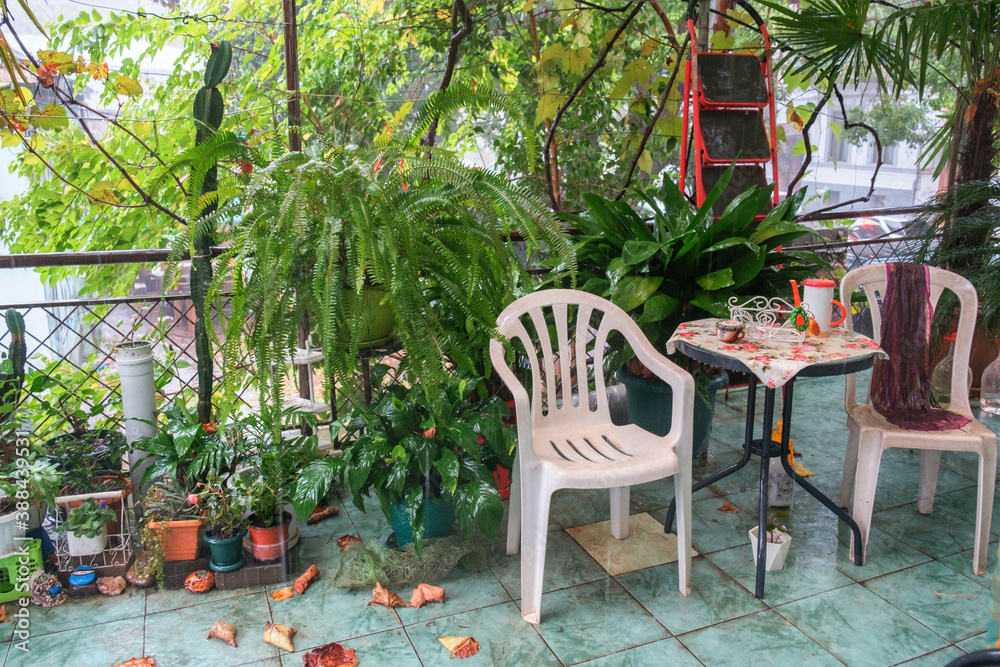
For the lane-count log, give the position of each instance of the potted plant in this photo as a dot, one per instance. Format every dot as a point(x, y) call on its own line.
point(681, 265)
point(86, 527)
point(172, 522)
point(225, 525)
point(778, 542)
point(268, 475)
point(428, 456)
point(331, 227)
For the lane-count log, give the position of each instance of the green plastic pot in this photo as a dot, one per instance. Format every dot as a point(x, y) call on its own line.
point(227, 553)
point(650, 404)
point(379, 319)
point(439, 517)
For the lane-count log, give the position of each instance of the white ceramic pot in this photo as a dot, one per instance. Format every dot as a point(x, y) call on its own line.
point(9, 531)
point(776, 552)
point(87, 546)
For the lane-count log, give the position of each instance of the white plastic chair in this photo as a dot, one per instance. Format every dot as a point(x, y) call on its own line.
point(871, 434)
point(563, 443)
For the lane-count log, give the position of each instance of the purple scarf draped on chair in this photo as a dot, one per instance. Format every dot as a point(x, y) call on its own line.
point(900, 385)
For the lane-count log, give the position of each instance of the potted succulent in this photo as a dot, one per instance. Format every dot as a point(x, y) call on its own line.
point(172, 521)
point(683, 264)
point(86, 527)
point(778, 542)
point(225, 525)
point(427, 455)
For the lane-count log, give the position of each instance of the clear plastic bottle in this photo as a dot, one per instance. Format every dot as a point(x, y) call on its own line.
point(989, 397)
point(941, 378)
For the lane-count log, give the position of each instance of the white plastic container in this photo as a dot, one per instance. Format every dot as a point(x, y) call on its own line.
point(135, 367)
point(87, 546)
point(9, 531)
point(776, 551)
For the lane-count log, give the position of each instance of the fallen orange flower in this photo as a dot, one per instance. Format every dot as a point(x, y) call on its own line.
point(380, 596)
point(728, 508)
point(347, 541)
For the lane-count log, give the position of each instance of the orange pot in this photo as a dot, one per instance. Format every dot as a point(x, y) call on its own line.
point(181, 539)
point(270, 544)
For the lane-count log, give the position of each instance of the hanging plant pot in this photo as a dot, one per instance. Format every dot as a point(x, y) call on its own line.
point(439, 517)
point(379, 320)
point(270, 544)
point(80, 545)
point(227, 553)
point(180, 538)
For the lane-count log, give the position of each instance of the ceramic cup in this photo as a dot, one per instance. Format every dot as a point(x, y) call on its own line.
point(730, 331)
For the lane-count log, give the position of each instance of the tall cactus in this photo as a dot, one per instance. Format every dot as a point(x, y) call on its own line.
point(208, 110)
point(12, 368)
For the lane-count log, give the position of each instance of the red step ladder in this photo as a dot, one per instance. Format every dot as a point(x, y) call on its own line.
point(727, 95)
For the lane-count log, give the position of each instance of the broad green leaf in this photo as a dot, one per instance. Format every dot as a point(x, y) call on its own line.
point(551, 52)
point(528, 6)
point(447, 465)
point(632, 291)
point(716, 279)
point(8, 138)
point(52, 117)
point(658, 307)
point(645, 162)
point(636, 252)
point(548, 106)
point(313, 483)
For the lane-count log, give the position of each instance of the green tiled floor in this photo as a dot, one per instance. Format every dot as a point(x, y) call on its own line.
point(916, 602)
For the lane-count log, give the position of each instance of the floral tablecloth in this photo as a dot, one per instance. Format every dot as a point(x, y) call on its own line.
point(776, 362)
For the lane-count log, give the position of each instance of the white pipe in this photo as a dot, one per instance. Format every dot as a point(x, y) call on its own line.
point(135, 367)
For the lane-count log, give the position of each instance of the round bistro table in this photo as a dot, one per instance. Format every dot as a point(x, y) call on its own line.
point(775, 364)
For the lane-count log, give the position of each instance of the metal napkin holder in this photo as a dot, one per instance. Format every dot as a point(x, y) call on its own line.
point(767, 319)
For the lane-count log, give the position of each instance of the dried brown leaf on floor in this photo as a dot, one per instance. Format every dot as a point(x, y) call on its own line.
point(137, 662)
point(224, 631)
point(460, 647)
point(302, 583)
point(347, 541)
point(426, 593)
point(322, 512)
point(280, 636)
point(802, 471)
point(331, 655)
point(728, 508)
point(282, 594)
point(380, 596)
point(3, 614)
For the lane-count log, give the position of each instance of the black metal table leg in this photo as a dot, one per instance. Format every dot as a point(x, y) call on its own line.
point(765, 461)
point(668, 524)
point(786, 416)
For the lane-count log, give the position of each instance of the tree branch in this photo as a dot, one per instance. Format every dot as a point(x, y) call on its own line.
point(459, 12)
point(878, 160)
point(805, 139)
point(656, 117)
point(550, 137)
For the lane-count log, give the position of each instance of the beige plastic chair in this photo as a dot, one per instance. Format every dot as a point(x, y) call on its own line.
point(871, 434)
point(563, 443)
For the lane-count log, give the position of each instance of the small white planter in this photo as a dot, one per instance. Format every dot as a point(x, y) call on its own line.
point(87, 546)
point(776, 552)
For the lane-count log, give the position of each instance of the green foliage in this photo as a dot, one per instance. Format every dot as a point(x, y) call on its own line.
point(34, 474)
point(223, 508)
point(897, 122)
point(321, 227)
point(184, 450)
point(88, 519)
point(412, 445)
point(686, 264)
point(12, 366)
point(959, 231)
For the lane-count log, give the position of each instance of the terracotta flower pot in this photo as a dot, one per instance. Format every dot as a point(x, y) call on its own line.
point(180, 538)
point(270, 544)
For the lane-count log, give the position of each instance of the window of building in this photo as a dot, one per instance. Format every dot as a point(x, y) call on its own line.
point(838, 151)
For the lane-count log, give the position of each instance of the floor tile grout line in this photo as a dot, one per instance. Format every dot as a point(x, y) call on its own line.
point(204, 602)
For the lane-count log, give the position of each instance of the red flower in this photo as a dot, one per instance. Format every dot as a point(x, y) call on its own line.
point(763, 358)
point(686, 334)
point(193, 499)
point(799, 357)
